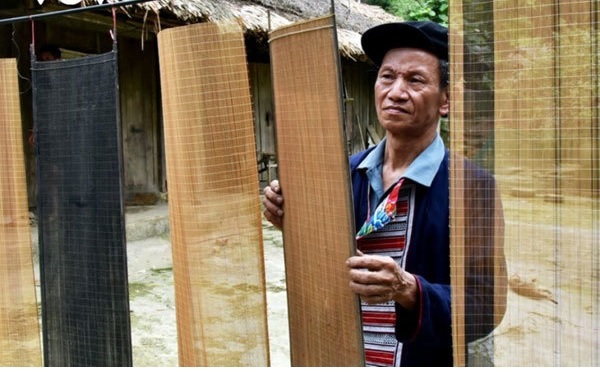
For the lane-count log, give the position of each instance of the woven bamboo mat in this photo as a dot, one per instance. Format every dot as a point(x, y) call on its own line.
point(525, 107)
point(216, 229)
point(318, 229)
point(19, 327)
point(83, 257)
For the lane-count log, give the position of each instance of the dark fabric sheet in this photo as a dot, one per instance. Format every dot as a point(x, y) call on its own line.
point(83, 263)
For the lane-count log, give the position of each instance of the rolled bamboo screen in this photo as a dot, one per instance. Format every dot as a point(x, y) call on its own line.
point(19, 327)
point(213, 197)
point(525, 106)
point(318, 233)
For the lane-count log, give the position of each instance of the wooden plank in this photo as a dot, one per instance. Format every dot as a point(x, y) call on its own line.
point(19, 328)
point(214, 204)
point(318, 231)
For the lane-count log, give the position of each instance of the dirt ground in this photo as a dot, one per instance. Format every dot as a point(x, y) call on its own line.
point(553, 303)
point(152, 301)
point(551, 248)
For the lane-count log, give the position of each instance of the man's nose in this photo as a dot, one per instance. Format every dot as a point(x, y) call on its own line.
point(398, 90)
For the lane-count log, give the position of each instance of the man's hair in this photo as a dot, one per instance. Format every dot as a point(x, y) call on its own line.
point(52, 49)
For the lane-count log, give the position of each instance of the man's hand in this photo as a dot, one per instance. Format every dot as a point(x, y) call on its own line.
point(379, 279)
point(273, 202)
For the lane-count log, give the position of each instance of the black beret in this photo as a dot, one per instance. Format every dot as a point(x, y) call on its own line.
point(425, 35)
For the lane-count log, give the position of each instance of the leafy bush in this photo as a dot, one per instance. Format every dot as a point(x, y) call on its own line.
point(416, 10)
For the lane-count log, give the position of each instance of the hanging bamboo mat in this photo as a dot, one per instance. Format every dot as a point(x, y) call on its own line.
point(526, 107)
point(81, 223)
point(318, 228)
point(213, 197)
point(19, 327)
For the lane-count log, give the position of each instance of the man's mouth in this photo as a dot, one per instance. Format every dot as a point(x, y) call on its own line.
point(395, 110)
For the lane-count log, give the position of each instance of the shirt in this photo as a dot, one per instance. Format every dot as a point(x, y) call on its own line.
point(387, 233)
point(425, 332)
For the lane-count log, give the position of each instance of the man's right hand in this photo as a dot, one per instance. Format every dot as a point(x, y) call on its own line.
point(273, 202)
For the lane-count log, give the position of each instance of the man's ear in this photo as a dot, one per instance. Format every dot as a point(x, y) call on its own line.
point(445, 103)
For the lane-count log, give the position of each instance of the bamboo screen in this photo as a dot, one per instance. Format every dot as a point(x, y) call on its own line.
point(318, 228)
point(525, 106)
point(19, 327)
point(81, 223)
point(214, 204)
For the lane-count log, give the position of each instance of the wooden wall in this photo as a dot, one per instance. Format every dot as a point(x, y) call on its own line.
point(362, 126)
point(141, 119)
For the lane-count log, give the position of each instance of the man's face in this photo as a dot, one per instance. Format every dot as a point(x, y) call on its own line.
point(408, 97)
point(47, 56)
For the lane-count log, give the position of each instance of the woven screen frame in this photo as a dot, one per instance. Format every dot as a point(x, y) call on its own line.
point(19, 326)
point(544, 150)
point(318, 231)
point(214, 205)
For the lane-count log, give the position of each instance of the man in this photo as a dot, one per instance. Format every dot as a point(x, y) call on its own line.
point(401, 207)
point(49, 52)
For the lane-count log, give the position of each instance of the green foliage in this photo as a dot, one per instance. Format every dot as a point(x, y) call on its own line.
point(432, 10)
point(416, 10)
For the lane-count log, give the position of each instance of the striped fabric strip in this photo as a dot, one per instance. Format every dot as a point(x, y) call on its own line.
point(381, 346)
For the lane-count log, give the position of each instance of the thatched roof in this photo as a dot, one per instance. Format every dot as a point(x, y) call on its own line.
point(260, 16)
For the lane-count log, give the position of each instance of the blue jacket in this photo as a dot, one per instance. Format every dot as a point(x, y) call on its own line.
point(426, 332)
